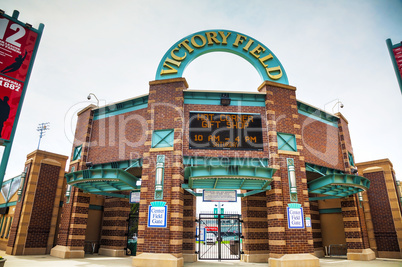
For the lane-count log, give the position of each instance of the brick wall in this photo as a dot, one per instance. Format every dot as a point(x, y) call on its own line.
point(321, 143)
point(384, 229)
point(39, 227)
point(118, 138)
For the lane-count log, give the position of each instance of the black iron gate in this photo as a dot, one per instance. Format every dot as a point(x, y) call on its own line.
point(219, 237)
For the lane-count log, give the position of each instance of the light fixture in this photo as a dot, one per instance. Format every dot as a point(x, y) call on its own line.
point(89, 165)
point(21, 188)
point(42, 128)
point(338, 102)
point(360, 196)
point(159, 175)
point(89, 98)
point(68, 193)
point(28, 25)
point(292, 179)
point(225, 99)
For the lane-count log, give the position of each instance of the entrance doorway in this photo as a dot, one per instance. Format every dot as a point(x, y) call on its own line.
point(219, 237)
point(132, 232)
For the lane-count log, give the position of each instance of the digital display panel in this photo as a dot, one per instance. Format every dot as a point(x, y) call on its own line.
point(209, 130)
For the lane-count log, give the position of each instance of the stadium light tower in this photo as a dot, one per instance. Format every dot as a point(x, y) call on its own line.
point(42, 128)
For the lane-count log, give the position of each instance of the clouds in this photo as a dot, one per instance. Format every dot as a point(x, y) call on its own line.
point(329, 49)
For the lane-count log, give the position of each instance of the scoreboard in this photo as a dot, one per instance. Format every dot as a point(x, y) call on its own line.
point(211, 130)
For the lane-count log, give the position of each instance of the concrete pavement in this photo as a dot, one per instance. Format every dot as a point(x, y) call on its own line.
point(101, 261)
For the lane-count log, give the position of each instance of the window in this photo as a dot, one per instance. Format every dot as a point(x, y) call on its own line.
point(287, 142)
point(162, 138)
point(77, 152)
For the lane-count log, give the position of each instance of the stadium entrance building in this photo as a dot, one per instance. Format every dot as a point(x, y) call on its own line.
point(291, 163)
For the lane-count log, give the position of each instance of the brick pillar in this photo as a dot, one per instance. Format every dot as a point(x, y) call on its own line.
point(255, 228)
point(369, 224)
point(282, 116)
point(316, 228)
point(384, 222)
point(165, 109)
point(189, 227)
point(114, 228)
point(357, 248)
point(36, 214)
point(73, 224)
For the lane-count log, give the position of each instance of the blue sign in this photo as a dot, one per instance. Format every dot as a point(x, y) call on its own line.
point(183, 52)
point(295, 218)
point(200, 237)
point(157, 216)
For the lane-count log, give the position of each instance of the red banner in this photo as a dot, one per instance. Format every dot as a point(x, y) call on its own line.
point(398, 58)
point(17, 45)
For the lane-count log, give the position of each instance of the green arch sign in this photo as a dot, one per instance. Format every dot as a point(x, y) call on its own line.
point(177, 58)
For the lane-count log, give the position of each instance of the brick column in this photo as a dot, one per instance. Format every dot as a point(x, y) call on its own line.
point(114, 228)
point(255, 228)
point(381, 201)
point(33, 229)
point(163, 246)
point(357, 248)
point(73, 224)
point(316, 228)
point(189, 228)
point(282, 116)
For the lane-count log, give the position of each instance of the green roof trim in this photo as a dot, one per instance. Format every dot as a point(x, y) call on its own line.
point(337, 186)
point(103, 181)
point(229, 177)
point(214, 98)
point(321, 170)
point(121, 108)
point(317, 114)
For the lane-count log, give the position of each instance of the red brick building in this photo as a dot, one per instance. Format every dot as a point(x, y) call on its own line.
point(291, 163)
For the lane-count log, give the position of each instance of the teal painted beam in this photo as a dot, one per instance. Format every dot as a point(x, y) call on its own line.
point(121, 108)
point(323, 197)
point(237, 99)
point(8, 204)
point(250, 193)
point(317, 114)
point(111, 195)
point(326, 211)
point(224, 161)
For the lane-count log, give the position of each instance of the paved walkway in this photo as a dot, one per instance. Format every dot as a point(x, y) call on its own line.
point(100, 261)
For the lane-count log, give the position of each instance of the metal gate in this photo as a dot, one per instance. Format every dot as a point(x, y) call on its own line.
point(219, 237)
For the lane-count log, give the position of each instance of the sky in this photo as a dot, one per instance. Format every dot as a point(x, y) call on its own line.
point(330, 50)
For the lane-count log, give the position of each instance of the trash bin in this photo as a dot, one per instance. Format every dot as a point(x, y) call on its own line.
point(132, 246)
point(234, 247)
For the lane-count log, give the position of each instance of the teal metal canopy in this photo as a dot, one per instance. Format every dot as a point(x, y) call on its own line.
point(103, 181)
point(228, 178)
point(337, 186)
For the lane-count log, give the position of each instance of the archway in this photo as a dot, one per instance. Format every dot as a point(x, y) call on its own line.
point(183, 52)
